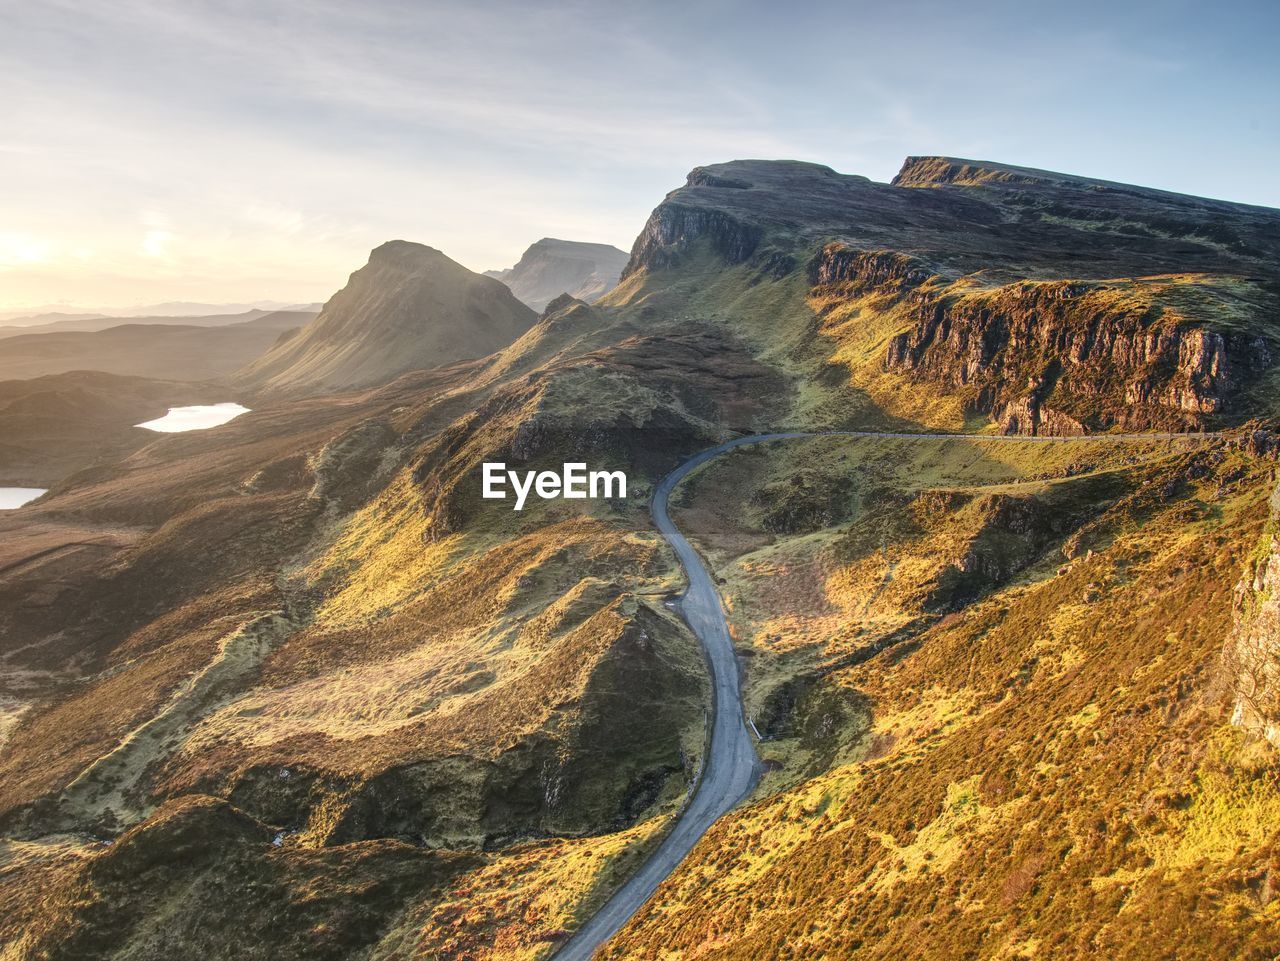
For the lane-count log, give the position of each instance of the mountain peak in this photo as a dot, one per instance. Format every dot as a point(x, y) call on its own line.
point(410, 307)
point(550, 267)
point(406, 253)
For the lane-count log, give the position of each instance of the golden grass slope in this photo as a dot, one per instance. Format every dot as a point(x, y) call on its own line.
point(1046, 772)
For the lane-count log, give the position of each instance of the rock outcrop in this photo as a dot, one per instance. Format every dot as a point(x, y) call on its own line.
point(553, 267)
point(1100, 353)
point(672, 230)
point(1252, 655)
point(883, 269)
point(1061, 357)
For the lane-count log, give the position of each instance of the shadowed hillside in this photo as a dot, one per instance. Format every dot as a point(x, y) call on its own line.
point(161, 351)
point(53, 426)
point(409, 307)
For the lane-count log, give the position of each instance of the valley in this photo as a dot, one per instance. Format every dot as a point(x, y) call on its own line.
point(732, 767)
point(944, 499)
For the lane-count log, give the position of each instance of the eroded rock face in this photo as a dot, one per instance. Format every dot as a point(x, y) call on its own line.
point(1066, 357)
point(1028, 416)
point(1252, 653)
point(672, 229)
point(551, 268)
point(838, 263)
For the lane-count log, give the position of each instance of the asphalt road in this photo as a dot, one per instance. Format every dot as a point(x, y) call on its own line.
point(731, 767)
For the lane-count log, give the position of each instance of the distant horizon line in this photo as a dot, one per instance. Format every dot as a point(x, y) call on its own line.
point(17, 311)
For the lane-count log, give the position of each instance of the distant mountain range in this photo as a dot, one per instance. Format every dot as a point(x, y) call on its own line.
point(552, 267)
point(168, 351)
point(62, 323)
point(174, 309)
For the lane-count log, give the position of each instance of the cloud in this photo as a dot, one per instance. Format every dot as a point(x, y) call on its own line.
point(287, 139)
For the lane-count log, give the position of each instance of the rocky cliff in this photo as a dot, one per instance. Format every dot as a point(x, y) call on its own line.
point(1051, 303)
point(673, 229)
point(553, 267)
point(1068, 357)
point(1252, 655)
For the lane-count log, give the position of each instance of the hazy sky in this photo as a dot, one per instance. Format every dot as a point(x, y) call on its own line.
point(256, 149)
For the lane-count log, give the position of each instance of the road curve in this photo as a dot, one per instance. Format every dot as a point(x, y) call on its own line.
point(731, 767)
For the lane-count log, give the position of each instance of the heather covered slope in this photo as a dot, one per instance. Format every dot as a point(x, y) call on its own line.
point(552, 267)
point(992, 694)
point(410, 307)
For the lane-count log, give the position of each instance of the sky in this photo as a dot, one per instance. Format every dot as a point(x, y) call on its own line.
point(252, 150)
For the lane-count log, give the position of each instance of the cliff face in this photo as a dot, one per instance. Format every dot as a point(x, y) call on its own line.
point(883, 270)
point(1066, 357)
point(1055, 357)
point(1252, 655)
point(672, 230)
point(552, 267)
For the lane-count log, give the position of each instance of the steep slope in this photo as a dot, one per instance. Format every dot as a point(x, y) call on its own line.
point(552, 267)
point(410, 307)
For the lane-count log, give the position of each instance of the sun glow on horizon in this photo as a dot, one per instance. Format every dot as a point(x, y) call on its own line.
point(219, 152)
point(17, 249)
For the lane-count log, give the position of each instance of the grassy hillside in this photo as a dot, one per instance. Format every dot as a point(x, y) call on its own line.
point(298, 673)
point(1035, 762)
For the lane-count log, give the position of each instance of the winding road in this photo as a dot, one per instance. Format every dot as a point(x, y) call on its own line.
point(731, 768)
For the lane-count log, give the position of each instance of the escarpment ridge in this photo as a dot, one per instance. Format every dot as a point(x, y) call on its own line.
point(1044, 302)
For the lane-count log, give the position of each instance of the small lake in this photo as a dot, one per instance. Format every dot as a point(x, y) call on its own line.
point(200, 417)
point(11, 497)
